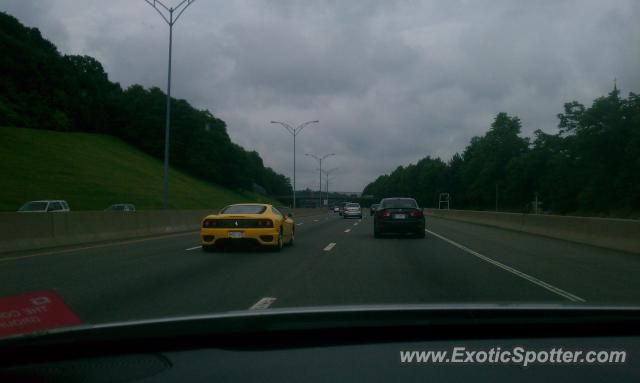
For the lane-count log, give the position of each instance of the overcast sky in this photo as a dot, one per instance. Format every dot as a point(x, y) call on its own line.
point(390, 81)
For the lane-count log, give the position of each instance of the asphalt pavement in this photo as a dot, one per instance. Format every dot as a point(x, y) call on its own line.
point(334, 261)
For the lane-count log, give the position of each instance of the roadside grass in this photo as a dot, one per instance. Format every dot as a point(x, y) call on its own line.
point(93, 171)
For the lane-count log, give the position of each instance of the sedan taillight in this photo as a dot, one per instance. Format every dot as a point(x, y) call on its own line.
point(415, 213)
point(384, 213)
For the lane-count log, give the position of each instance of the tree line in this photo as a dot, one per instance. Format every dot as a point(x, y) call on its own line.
point(43, 89)
point(589, 166)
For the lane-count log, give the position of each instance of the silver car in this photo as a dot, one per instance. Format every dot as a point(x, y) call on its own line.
point(351, 210)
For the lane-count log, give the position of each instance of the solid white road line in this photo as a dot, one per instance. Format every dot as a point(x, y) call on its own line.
point(263, 303)
point(348, 230)
point(529, 278)
point(193, 248)
point(329, 246)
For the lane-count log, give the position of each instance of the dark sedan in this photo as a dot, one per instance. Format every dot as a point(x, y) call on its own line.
point(398, 216)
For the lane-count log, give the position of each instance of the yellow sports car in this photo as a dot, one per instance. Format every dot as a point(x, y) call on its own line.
point(260, 224)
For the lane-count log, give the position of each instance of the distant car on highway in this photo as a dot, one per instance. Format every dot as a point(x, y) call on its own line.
point(398, 215)
point(249, 223)
point(352, 209)
point(341, 206)
point(45, 206)
point(373, 208)
point(336, 209)
point(127, 207)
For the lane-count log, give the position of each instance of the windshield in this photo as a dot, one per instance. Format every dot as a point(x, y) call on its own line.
point(244, 209)
point(34, 206)
point(428, 152)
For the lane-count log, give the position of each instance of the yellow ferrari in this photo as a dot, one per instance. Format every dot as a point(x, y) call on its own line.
point(251, 223)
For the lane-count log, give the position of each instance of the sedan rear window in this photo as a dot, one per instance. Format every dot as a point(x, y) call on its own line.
point(244, 209)
point(400, 203)
point(353, 205)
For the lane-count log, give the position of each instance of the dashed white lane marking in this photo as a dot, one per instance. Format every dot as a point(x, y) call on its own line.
point(355, 224)
point(315, 220)
point(348, 230)
point(263, 303)
point(193, 248)
point(301, 223)
point(529, 278)
point(329, 246)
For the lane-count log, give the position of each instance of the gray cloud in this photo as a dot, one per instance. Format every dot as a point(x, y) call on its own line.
point(391, 81)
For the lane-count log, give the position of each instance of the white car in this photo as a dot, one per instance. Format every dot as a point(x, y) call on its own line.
point(352, 209)
point(45, 206)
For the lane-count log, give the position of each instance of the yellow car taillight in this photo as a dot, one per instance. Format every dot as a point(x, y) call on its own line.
point(209, 223)
point(264, 223)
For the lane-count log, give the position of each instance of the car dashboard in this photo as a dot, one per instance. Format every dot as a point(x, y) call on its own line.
point(330, 346)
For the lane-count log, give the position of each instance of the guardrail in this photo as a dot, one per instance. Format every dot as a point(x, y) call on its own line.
point(28, 231)
point(618, 234)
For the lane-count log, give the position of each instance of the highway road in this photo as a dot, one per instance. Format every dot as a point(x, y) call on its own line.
point(333, 262)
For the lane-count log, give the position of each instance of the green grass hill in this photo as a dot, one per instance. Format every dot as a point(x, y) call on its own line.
point(93, 171)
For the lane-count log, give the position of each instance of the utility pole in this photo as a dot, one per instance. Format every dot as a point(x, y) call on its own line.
point(171, 20)
point(294, 132)
point(536, 206)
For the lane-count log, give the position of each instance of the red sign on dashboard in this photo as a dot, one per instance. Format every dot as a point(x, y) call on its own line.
point(42, 310)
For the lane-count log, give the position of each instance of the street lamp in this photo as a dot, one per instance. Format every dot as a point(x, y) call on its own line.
point(162, 9)
point(326, 174)
point(320, 159)
point(294, 132)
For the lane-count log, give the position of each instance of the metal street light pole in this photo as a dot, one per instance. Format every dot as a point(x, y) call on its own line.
point(320, 159)
point(294, 132)
point(162, 9)
point(326, 174)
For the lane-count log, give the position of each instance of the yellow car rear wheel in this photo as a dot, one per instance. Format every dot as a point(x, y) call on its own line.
point(293, 234)
point(278, 246)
